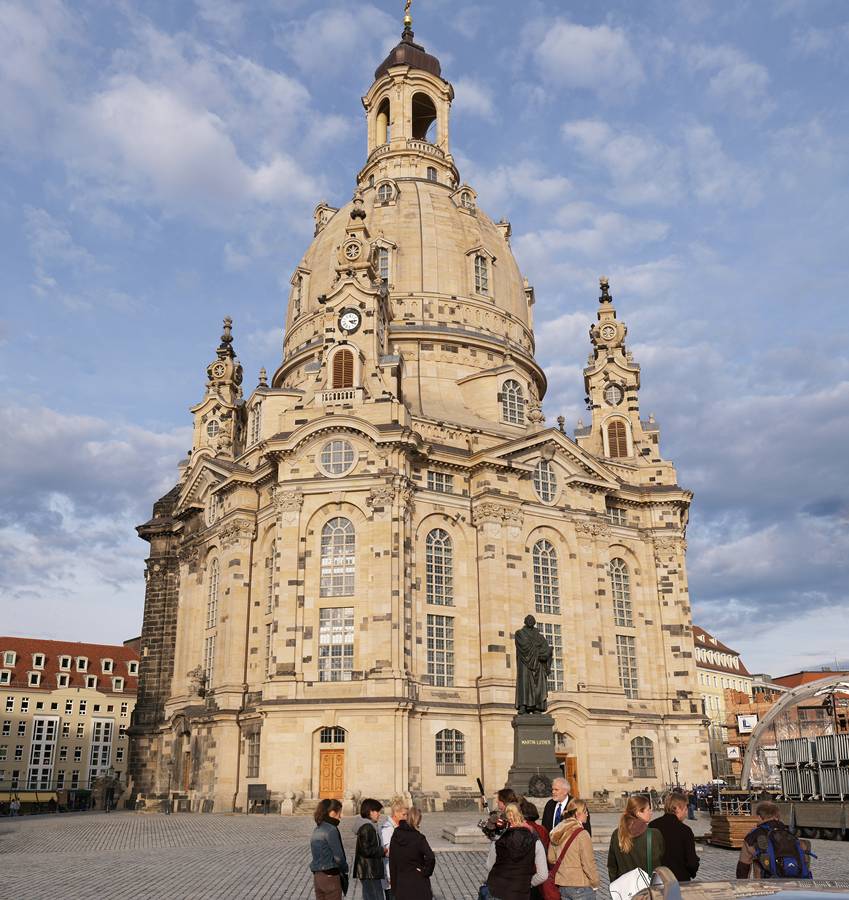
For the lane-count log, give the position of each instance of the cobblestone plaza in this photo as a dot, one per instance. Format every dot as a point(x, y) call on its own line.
point(123, 855)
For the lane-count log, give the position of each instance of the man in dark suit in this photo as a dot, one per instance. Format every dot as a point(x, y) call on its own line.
point(679, 845)
point(555, 809)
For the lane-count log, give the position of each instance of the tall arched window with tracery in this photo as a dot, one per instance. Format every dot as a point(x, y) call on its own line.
point(481, 274)
point(617, 439)
point(269, 578)
point(450, 752)
point(546, 582)
point(620, 586)
point(212, 595)
point(342, 375)
point(439, 568)
point(256, 423)
point(512, 402)
point(338, 559)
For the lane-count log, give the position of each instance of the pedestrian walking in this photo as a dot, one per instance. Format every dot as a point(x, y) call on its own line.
point(679, 844)
point(516, 860)
point(411, 861)
point(771, 850)
point(398, 809)
point(328, 864)
point(571, 852)
point(634, 845)
point(368, 857)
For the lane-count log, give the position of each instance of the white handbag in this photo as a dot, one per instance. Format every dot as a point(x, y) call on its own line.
point(629, 884)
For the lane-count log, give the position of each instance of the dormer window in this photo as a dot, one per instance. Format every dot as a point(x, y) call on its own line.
point(82, 663)
point(38, 660)
point(63, 679)
point(91, 681)
point(133, 667)
point(65, 663)
point(5, 676)
point(9, 657)
point(481, 274)
point(106, 665)
point(467, 201)
point(512, 402)
point(384, 193)
point(34, 679)
point(383, 263)
point(118, 684)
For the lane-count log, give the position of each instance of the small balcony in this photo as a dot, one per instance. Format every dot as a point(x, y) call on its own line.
point(340, 395)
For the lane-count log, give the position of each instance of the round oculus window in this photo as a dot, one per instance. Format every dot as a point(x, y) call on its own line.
point(337, 457)
point(212, 428)
point(608, 332)
point(545, 481)
point(614, 394)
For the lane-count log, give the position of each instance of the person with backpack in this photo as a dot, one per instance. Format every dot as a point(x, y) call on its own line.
point(516, 860)
point(771, 850)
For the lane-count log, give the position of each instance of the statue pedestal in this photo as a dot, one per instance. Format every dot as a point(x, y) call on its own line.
point(533, 754)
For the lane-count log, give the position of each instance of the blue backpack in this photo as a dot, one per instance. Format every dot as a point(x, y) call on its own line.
point(779, 852)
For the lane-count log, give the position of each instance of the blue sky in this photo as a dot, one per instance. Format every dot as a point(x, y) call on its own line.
point(160, 164)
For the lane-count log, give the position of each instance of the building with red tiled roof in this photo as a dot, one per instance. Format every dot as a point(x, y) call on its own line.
point(718, 669)
point(66, 706)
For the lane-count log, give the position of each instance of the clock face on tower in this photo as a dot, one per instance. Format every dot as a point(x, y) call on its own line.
point(349, 320)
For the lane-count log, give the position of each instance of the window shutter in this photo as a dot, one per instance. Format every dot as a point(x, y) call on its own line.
point(343, 369)
point(617, 439)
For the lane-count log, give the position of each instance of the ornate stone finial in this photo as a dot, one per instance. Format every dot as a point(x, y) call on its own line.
point(225, 348)
point(358, 212)
point(604, 284)
point(561, 424)
point(408, 19)
point(263, 378)
point(580, 423)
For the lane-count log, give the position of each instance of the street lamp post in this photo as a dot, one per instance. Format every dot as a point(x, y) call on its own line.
point(675, 770)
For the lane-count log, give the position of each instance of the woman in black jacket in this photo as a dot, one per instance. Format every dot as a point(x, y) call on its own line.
point(411, 861)
point(679, 845)
point(368, 859)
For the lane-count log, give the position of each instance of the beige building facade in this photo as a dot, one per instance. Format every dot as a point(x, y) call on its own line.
point(66, 710)
point(334, 580)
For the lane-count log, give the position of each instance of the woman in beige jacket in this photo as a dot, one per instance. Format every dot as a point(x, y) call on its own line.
point(577, 875)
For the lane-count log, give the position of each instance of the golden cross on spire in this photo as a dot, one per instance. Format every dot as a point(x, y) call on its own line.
point(408, 19)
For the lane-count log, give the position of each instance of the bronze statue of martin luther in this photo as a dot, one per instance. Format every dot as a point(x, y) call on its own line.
point(533, 665)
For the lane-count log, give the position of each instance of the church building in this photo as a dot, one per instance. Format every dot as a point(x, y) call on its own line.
point(334, 580)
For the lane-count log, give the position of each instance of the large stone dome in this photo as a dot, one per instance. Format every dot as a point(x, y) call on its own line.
point(433, 240)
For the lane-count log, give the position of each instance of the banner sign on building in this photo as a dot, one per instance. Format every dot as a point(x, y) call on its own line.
point(746, 724)
point(733, 752)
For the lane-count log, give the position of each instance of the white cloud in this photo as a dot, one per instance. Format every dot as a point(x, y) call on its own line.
point(523, 181)
point(473, 97)
point(226, 16)
point(736, 83)
point(598, 58)
point(714, 176)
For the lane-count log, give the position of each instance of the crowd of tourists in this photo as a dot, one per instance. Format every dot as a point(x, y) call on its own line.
point(538, 857)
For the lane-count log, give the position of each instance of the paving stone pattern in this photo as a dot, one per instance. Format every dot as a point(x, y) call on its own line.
point(183, 857)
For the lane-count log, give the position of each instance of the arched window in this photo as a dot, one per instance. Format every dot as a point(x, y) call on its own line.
point(269, 578)
point(466, 200)
point(343, 369)
point(424, 118)
point(338, 546)
point(481, 274)
point(256, 422)
point(382, 123)
point(546, 585)
point(512, 402)
point(383, 263)
point(431, 173)
point(545, 481)
point(332, 734)
point(620, 585)
point(212, 595)
point(384, 193)
point(617, 438)
point(439, 568)
point(642, 757)
point(450, 752)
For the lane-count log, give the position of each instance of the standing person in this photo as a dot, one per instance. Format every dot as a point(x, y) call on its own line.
point(328, 864)
point(368, 858)
point(531, 814)
point(629, 844)
point(577, 874)
point(691, 804)
point(411, 861)
point(555, 809)
point(516, 860)
point(397, 813)
point(679, 844)
point(771, 850)
point(15, 807)
point(496, 823)
point(709, 801)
